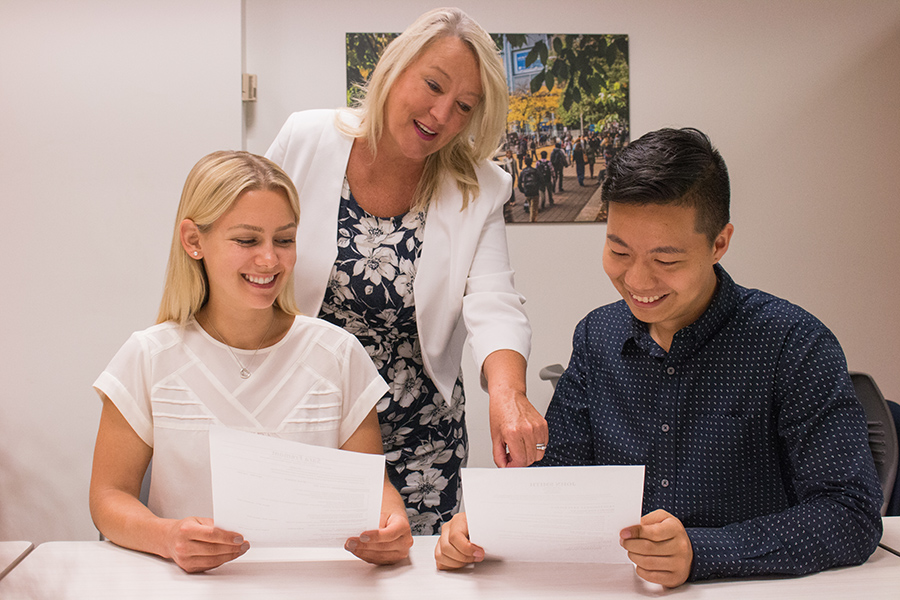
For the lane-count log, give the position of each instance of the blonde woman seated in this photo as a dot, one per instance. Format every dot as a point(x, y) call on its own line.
point(229, 347)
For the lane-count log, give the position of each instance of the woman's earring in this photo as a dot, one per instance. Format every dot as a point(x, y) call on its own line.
point(196, 253)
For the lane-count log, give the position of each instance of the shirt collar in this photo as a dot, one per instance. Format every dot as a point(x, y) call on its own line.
point(719, 311)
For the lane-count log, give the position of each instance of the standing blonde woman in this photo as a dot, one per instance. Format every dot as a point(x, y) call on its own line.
point(403, 229)
point(229, 347)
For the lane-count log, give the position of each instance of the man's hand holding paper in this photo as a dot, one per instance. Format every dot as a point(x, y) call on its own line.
point(548, 514)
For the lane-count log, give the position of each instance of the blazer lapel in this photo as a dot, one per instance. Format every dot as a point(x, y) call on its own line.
point(319, 204)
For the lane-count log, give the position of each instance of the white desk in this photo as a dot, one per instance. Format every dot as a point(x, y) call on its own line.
point(98, 570)
point(891, 537)
point(11, 553)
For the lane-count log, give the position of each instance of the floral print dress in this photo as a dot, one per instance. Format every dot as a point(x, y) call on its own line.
point(370, 294)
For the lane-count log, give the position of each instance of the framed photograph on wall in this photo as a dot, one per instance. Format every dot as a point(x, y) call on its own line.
point(567, 92)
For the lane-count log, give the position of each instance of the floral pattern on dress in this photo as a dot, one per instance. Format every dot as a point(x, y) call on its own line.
point(370, 294)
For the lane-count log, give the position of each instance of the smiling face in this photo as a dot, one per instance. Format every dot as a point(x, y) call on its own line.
point(661, 265)
point(432, 100)
point(249, 252)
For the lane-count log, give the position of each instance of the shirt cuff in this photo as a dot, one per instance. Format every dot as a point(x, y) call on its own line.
point(731, 552)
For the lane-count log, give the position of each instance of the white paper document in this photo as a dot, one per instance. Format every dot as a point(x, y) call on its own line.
point(553, 514)
point(281, 493)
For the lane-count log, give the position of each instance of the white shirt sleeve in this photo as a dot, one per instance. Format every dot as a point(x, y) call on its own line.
point(125, 381)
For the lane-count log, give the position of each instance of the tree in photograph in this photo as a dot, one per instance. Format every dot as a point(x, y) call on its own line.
point(610, 105)
point(533, 109)
point(363, 52)
point(516, 40)
point(591, 71)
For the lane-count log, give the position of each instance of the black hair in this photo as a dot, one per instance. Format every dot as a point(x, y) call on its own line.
point(672, 166)
point(528, 160)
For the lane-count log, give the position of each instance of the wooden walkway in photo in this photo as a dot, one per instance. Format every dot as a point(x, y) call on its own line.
point(575, 204)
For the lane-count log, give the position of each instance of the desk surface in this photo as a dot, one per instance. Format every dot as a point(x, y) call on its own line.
point(98, 570)
point(11, 553)
point(891, 537)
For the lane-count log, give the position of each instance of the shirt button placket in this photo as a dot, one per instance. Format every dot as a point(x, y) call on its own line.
point(667, 461)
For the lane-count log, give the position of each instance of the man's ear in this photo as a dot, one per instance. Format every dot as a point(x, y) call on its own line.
point(720, 245)
point(190, 239)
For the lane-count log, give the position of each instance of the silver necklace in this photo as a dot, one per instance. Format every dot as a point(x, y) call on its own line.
point(245, 372)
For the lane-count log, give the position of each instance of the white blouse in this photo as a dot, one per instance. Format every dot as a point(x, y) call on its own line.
point(171, 382)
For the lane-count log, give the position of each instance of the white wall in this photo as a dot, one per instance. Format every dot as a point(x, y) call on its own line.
point(802, 98)
point(106, 105)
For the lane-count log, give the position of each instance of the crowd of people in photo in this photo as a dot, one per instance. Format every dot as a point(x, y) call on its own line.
point(536, 162)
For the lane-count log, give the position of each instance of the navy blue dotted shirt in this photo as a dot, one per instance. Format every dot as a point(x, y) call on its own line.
point(748, 426)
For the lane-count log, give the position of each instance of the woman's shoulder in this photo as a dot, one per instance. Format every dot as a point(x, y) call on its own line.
point(320, 118)
point(494, 184)
point(308, 131)
point(491, 174)
point(146, 345)
point(491, 168)
point(160, 336)
point(307, 120)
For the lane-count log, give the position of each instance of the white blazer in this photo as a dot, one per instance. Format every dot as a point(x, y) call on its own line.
point(463, 279)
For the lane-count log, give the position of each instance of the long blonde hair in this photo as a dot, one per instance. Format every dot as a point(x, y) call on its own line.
point(479, 140)
point(212, 187)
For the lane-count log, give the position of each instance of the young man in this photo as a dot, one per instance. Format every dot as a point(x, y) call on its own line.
point(545, 170)
point(738, 402)
point(530, 185)
point(522, 149)
point(579, 158)
point(559, 162)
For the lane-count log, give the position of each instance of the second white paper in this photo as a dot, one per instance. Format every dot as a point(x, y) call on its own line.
point(282, 493)
point(553, 514)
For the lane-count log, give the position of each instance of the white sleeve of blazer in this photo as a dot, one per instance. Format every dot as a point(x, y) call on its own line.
point(463, 282)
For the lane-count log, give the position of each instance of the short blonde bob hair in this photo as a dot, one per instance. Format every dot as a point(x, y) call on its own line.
point(212, 187)
point(480, 139)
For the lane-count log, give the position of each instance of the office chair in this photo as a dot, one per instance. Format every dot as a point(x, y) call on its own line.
point(882, 432)
point(894, 504)
point(552, 373)
point(144, 496)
